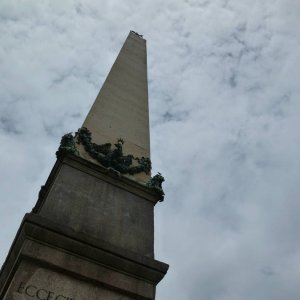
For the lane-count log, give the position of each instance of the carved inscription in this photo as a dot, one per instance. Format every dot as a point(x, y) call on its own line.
point(38, 293)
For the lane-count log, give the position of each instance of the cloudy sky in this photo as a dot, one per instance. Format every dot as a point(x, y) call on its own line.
point(225, 116)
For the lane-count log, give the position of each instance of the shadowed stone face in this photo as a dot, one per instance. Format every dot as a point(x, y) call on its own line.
point(99, 209)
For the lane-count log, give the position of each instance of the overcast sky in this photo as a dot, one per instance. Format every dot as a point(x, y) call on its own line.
point(225, 116)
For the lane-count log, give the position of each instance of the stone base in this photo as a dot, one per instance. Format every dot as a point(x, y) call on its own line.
point(99, 203)
point(47, 262)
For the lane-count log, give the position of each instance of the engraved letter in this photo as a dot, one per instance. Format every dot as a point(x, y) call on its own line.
point(21, 288)
point(32, 287)
point(50, 296)
point(39, 292)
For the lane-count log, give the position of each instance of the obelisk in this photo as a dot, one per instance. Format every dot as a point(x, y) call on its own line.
point(91, 233)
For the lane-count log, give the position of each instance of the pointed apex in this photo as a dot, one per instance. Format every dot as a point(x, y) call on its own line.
point(121, 107)
point(134, 32)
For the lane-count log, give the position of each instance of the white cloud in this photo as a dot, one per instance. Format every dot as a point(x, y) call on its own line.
point(224, 99)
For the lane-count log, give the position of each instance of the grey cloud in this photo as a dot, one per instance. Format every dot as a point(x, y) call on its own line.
point(224, 101)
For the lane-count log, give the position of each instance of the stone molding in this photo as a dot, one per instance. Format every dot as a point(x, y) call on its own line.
point(38, 235)
point(100, 172)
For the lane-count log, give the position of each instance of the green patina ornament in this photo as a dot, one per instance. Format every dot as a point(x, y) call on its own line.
point(67, 145)
point(112, 157)
point(155, 183)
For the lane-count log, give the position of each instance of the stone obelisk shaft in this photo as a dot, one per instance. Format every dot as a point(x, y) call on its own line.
point(121, 107)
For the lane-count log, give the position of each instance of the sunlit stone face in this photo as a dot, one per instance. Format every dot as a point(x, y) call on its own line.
point(121, 107)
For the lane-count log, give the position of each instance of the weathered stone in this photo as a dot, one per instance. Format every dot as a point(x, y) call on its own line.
point(79, 199)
